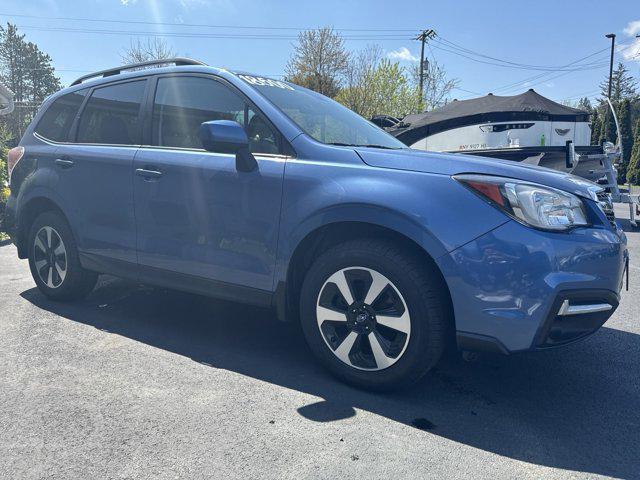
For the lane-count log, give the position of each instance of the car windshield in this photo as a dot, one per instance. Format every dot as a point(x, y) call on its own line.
point(324, 119)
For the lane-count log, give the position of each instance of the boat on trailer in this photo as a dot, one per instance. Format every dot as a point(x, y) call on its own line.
point(526, 128)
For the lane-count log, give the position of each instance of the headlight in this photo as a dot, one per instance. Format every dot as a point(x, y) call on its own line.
point(529, 203)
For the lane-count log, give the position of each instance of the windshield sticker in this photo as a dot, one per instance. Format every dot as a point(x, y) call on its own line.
point(265, 82)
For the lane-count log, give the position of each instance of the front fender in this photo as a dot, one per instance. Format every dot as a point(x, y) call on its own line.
point(434, 211)
point(357, 212)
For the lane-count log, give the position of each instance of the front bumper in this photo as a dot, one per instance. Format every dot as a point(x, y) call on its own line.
point(516, 288)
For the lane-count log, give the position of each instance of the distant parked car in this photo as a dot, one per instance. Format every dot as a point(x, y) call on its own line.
point(257, 190)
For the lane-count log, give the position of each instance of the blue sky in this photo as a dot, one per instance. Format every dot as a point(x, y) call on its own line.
point(542, 33)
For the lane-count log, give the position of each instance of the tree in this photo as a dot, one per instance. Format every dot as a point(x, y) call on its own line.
point(28, 72)
point(437, 84)
point(585, 104)
point(596, 127)
point(633, 171)
point(387, 90)
point(319, 61)
point(355, 94)
point(608, 132)
point(623, 86)
point(153, 48)
point(626, 137)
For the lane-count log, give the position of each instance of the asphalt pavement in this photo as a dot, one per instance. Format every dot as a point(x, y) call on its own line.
point(137, 382)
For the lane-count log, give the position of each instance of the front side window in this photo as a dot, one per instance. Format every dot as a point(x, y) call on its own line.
point(112, 115)
point(182, 104)
point(320, 117)
point(56, 121)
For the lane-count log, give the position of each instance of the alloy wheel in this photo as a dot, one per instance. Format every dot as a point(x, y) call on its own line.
point(50, 257)
point(363, 318)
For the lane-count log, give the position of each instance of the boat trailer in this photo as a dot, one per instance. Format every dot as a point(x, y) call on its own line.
point(610, 157)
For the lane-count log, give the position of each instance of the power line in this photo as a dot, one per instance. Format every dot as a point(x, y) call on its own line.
point(536, 77)
point(441, 40)
point(201, 25)
point(234, 36)
point(589, 94)
point(540, 76)
point(517, 67)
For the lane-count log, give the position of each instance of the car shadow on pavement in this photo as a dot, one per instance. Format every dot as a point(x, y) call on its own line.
point(577, 408)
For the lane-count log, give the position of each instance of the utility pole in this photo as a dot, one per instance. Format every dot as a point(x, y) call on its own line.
point(423, 37)
point(612, 36)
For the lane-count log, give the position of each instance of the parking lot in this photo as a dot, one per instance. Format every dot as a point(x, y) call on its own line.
point(135, 382)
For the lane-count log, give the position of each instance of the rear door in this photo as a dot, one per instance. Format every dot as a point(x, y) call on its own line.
point(95, 171)
point(197, 215)
point(52, 130)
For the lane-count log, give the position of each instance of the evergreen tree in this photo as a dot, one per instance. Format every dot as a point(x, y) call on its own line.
point(28, 72)
point(633, 171)
point(596, 128)
point(609, 132)
point(623, 85)
point(626, 137)
point(585, 104)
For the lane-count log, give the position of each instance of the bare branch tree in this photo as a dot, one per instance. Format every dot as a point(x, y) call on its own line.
point(357, 74)
point(318, 61)
point(437, 85)
point(153, 48)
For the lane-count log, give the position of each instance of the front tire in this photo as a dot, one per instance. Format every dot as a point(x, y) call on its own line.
point(54, 261)
point(375, 315)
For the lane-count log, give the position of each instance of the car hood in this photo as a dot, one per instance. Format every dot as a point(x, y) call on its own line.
point(455, 163)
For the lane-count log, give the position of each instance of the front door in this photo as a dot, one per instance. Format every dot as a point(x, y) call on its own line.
point(196, 214)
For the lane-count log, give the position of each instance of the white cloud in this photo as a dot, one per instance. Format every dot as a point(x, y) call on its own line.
point(631, 51)
point(403, 54)
point(632, 28)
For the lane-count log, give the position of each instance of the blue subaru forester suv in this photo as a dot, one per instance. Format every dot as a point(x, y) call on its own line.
point(256, 190)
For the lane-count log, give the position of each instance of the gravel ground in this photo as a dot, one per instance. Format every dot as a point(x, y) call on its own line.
point(135, 382)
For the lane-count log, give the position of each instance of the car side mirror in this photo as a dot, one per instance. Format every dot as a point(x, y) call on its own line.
point(227, 136)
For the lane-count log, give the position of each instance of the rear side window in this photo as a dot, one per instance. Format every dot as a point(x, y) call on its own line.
point(112, 115)
point(57, 120)
point(183, 103)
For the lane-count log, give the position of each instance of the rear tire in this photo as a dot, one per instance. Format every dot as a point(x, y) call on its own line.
point(54, 261)
point(386, 314)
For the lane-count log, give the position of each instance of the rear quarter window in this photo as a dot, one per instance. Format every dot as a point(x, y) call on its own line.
point(112, 115)
point(57, 120)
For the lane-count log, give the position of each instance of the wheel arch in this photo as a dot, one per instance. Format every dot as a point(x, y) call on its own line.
point(327, 236)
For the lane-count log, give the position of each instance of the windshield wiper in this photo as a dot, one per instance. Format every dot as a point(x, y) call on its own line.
point(340, 144)
point(380, 146)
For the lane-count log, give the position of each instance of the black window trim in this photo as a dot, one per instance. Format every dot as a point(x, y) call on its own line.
point(284, 146)
point(75, 126)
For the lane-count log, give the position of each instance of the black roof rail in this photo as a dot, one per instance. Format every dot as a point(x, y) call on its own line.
point(177, 61)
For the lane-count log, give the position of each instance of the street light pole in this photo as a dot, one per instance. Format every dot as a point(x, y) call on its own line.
point(612, 36)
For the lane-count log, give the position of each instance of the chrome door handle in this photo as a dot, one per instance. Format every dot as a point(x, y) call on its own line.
point(147, 173)
point(64, 163)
